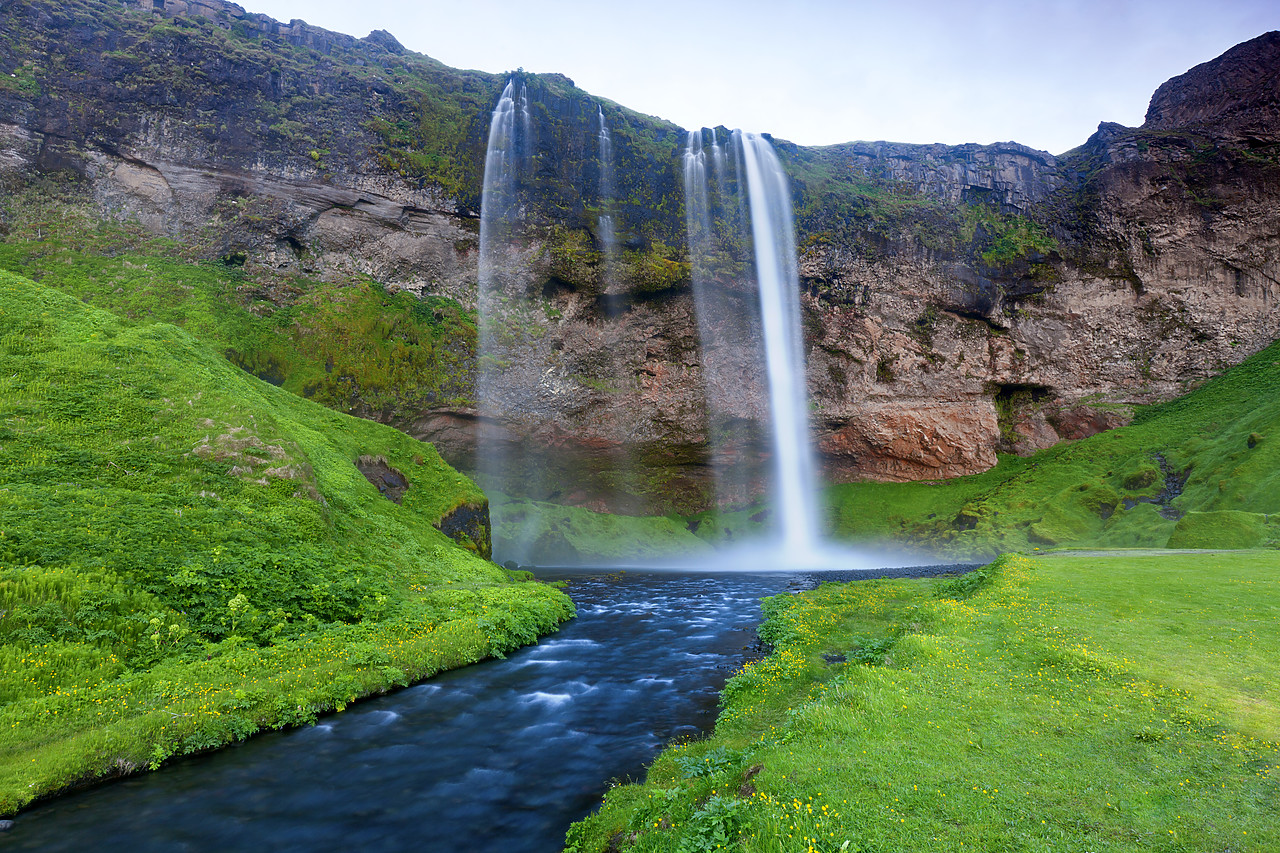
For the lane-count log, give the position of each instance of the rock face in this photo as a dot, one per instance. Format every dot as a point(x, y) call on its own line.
point(1236, 94)
point(959, 300)
point(1013, 174)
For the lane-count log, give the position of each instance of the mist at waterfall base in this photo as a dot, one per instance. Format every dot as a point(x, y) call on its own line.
point(742, 200)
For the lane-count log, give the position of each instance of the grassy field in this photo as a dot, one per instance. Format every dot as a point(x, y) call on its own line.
point(189, 554)
point(1103, 703)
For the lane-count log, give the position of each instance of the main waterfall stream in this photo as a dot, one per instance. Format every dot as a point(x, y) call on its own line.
point(500, 756)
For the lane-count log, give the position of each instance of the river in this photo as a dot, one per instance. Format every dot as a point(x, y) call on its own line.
point(499, 756)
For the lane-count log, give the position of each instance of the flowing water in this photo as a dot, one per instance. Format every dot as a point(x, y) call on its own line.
point(500, 756)
point(774, 238)
point(604, 222)
point(501, 302)
point(499, 207)
point(759, 193)
point(503, 755)
point(728, 316)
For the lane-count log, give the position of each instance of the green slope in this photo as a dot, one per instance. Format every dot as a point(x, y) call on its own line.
point(1224, 437)
point(189, 554)
point(349, 344)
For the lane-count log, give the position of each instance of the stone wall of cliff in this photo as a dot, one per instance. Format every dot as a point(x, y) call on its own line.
point(960, 300)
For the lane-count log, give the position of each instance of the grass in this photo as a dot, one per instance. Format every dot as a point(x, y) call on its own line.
point(1115, 702)
point(1201, 623)
point(551, 534)
point(1092, 493)
point(349, 344)
point(189, 555)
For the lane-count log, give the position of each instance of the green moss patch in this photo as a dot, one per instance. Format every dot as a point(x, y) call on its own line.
point(1221, 529)
point(351, 344)
point(550, 534)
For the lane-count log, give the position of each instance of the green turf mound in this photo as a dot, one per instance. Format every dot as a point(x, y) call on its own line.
point(1223, 529)
point(189, 554)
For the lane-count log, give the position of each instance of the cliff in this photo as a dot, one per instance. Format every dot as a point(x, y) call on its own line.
point(960, 300)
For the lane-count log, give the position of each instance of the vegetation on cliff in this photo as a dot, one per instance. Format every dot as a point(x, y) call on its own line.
point(1167, 479)
point(248, 92)
point(189, 555)
point(847, 197)
point(350, 344)
point(1073, 702)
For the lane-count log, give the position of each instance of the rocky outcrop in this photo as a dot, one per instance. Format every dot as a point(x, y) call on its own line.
point(959, 300)
point(468, 525)
point(1236, 94)
point(1162, 268)
point(1014, 175)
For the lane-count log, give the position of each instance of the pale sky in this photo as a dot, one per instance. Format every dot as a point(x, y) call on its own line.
point(816, 72)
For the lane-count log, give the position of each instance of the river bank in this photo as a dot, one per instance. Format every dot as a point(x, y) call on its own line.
point(499, 756)
point(1115, 703)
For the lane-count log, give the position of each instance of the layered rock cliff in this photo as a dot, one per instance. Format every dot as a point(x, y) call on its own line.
point(960, 300)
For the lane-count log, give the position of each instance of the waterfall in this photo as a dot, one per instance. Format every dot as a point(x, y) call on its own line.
point(773, 235)
point(697, 211)
point(498, 206)
point(500, 461)
point(742, 251)
point(728, 325)
point(625, 490)
point(520, 373)
point(755, 208)
point(605, 143)
point(604, 220)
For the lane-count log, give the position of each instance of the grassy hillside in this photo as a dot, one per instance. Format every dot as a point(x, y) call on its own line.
point(1114, 703)
point(1103, 491)
point(351, 345)
point(189, 554)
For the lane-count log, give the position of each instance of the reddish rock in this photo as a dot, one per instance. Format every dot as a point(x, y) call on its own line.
point(930, 441)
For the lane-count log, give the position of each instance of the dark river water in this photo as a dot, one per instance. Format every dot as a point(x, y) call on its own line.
point(499, 756)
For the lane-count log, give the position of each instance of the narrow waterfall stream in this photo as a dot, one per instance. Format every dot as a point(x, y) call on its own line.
point(778, 281)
